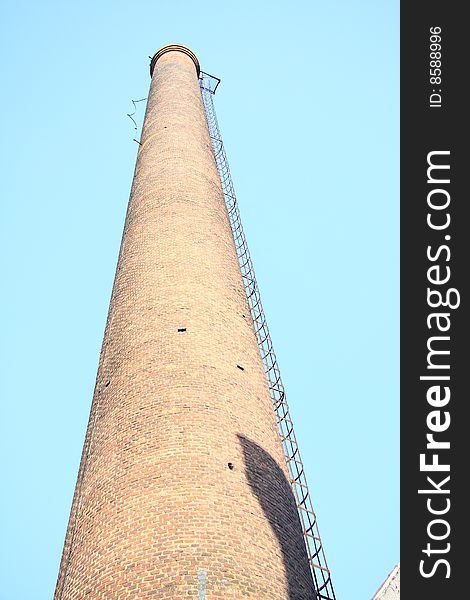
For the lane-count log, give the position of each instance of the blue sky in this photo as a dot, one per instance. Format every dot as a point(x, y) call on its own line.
point(308, 107)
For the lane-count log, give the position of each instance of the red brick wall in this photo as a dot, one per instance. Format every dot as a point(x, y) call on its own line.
point(158, 513)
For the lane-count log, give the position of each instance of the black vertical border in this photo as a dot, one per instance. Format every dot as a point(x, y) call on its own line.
point(425, 129)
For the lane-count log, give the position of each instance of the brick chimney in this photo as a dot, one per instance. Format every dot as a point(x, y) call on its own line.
point(182, 489)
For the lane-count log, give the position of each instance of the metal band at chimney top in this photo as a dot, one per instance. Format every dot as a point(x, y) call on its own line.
point(320, 571)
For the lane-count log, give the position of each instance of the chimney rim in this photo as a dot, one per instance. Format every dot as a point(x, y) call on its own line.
point(174, 48)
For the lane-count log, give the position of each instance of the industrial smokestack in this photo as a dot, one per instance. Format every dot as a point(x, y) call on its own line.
point(183, 489)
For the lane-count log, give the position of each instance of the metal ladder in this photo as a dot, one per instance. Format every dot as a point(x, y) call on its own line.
point(318, 565)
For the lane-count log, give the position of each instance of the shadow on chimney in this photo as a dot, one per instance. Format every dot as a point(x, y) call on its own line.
point(274, 493)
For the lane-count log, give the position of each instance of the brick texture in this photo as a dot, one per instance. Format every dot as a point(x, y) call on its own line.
point(182, 490)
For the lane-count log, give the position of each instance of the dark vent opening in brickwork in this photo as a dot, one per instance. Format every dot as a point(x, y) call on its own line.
point(241, 368)
point(181, 329)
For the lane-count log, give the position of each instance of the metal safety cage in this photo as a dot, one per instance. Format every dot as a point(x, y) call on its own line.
point(318, 565)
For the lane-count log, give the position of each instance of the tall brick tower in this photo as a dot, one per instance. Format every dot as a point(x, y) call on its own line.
point(183, 489)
